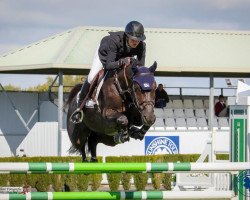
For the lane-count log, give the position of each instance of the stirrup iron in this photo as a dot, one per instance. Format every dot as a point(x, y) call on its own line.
point(77, 119)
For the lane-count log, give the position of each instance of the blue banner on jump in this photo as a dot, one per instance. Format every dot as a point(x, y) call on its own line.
point(161, 145)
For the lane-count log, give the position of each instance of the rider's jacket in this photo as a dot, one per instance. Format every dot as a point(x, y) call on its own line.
point(114, 46)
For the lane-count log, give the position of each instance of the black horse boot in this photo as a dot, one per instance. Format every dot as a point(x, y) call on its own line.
point(77, 116)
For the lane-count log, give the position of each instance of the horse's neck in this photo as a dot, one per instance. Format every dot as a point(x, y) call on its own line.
point(113, 87)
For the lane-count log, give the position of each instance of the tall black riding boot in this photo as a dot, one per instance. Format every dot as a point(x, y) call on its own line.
point(77, 115)
point(84, 91)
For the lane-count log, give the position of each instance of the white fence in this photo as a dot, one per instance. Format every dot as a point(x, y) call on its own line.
point(42, 140)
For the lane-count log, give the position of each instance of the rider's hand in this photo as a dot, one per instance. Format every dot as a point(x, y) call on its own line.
point(123, 62)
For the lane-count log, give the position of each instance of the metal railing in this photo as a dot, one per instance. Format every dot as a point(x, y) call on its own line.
point(204, 91)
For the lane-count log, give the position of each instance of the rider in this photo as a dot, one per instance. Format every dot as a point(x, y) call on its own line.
point(114, 52)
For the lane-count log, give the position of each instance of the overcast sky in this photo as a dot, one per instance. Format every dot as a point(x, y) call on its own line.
point(25, 21)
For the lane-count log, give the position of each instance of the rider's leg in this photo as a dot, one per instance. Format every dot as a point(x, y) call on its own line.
point(84, 91)
point(95, 68)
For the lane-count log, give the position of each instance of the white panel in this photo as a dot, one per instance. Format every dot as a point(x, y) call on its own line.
point(8, 144)
point(66, 144)
point(133, 147)
point(5, 150)
point(41, 140)
point(221, 142)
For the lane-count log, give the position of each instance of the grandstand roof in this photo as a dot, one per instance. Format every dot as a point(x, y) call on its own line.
point(178, 52)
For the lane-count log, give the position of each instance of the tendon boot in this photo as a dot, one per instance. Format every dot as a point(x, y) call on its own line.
point(77, 116)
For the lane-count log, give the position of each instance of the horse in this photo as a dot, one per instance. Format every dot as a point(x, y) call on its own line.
point(125, 110)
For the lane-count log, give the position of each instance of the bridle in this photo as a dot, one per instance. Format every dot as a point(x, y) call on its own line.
point(130, 91)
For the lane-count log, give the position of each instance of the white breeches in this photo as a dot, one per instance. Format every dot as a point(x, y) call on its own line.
point(96, 67)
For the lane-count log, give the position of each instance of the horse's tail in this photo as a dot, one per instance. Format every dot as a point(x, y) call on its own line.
point(73, 149)
point(73, 93)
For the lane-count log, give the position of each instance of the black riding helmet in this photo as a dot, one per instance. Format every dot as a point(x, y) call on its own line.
point(135, 30)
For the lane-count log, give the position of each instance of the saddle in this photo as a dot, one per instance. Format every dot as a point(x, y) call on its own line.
point(94, 90)
point(91, 98)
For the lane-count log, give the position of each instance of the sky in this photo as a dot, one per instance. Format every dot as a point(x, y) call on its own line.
point(25, 21)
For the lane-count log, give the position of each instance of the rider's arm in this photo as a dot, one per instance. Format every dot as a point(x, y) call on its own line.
point(111, 62)
point(141, 56)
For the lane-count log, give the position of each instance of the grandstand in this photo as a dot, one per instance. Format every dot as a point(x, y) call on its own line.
point(187, 113)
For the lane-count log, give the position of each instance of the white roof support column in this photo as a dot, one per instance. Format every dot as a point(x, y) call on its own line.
point(211, 115)
point(60, 112)
point(211, 103)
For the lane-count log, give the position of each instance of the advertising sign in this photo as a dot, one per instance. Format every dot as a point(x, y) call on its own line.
point(161, 145)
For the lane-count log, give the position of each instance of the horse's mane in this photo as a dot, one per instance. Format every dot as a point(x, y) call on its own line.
point(73, 93)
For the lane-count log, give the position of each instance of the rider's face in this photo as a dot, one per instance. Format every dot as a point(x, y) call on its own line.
point(133, 43)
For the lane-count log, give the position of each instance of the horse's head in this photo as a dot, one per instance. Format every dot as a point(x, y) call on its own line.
point(143, 92)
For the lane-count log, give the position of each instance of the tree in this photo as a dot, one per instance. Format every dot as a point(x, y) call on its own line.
point(68, 81)
point(10, 87)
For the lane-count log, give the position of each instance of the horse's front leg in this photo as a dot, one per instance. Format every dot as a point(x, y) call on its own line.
point(122, 126)
point(138, 133)
point(122, 123)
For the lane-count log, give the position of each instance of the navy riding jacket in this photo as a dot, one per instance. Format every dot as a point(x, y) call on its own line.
point(114, 46)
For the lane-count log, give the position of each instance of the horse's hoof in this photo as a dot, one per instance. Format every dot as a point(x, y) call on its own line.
point(138, 136)
point(93, 160)
point(85, 160)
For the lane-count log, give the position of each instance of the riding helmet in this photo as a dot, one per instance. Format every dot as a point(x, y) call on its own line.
point(135, 31)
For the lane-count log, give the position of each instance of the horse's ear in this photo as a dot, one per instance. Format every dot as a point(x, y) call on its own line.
point(153, 67)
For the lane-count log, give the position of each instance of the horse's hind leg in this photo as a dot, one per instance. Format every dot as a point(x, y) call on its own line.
point(83, 153)
point(93, 140)
point(79, 139)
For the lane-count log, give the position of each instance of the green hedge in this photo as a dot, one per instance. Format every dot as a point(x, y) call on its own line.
point(81, 182)
point(43, 182)
point(158, 179)
point(140, 179)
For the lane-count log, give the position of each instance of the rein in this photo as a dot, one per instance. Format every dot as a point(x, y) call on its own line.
point(125, 75)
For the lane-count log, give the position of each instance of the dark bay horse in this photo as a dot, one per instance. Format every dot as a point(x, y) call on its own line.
point(125, 103)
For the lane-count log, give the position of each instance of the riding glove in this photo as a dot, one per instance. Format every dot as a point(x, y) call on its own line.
point(123, 62)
